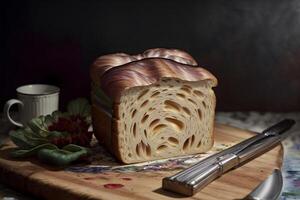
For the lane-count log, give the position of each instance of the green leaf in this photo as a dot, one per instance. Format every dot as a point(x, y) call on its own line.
point(57, 114)
point(28, 131)
point(74, 148)
point(22, 153)
point(25, 138)
point(62, 157)
point(35, 141)
point(18, 137)
point(57, 134)
point(38, 125)
point(49, 119)
point(79, 106)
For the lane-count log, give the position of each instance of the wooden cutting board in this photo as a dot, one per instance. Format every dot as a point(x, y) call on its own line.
point(48, 183)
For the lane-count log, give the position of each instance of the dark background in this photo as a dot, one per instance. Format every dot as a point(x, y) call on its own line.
point(253, 47)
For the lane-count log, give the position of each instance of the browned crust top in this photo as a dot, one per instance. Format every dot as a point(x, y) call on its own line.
point(116, 72)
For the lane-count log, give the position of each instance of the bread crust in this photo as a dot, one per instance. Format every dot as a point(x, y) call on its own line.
point(106, 62)
point(106, 130)
point(121, 71)
point(102, 125)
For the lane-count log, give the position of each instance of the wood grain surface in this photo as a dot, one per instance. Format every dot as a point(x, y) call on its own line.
point(49, 183)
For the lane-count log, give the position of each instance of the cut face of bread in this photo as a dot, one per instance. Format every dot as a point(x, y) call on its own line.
point(154, 105)
point(166, 119)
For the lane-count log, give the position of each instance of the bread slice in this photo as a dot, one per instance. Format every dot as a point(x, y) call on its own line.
point(154, 105)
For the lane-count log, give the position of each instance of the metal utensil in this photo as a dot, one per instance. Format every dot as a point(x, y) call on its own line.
point(269, 189)
point(193, 179)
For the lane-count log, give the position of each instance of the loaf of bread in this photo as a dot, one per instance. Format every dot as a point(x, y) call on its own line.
point(154, 105)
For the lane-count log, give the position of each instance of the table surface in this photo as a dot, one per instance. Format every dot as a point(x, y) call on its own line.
point(253, 121)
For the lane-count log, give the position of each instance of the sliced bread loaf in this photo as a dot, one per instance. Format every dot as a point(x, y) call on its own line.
point(154, 105)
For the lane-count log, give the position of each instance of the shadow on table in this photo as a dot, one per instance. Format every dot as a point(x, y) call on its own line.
point(167, 193)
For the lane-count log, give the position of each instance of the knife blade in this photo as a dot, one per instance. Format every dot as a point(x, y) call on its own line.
point(196, 177)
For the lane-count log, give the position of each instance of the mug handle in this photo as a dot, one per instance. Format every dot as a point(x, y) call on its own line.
point(7, 107)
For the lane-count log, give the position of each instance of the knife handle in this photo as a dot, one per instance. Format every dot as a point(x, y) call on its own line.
point(211, 172)
point(202, 176)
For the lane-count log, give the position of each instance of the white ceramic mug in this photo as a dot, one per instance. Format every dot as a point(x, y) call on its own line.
point(33, 100)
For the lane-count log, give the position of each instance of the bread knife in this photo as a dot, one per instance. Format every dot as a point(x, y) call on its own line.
point(196, 177)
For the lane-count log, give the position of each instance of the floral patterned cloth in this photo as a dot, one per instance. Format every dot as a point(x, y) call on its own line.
point(253, 121)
